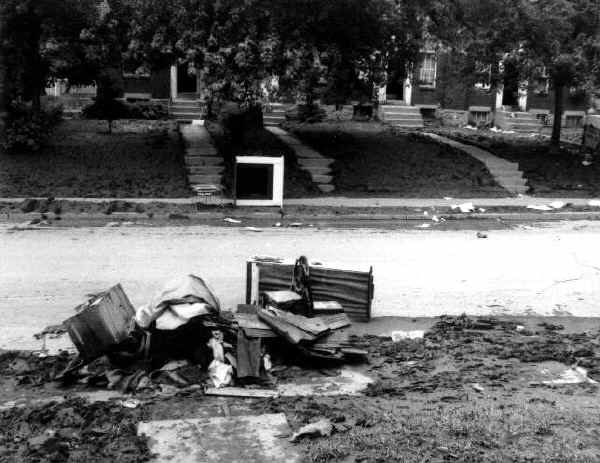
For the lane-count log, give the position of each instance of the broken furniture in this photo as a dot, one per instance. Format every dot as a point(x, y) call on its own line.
point(330, 287)
point(258, 181)
point(101, 323)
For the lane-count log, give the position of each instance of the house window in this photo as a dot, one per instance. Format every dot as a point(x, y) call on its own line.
point(483, 75)
point(427, 70)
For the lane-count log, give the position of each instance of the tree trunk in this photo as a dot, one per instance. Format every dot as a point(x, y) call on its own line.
point(3, 89)
point(558, 112)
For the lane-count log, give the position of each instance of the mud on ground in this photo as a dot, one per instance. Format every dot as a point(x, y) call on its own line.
point(471, 390)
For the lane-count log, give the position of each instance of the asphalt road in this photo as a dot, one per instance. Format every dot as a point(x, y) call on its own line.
point(551, 269)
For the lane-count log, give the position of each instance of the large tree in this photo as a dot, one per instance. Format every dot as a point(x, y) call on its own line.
point(40, 40)
point(564, 37)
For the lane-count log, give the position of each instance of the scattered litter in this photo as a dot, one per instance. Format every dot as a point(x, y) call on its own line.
point(230, 220)
point(519, 328)
point(254, 229)
point(435, 218)
point(425, 213)
point(448, 198)
point(464, 207)
point(296, 224)
point(586, 163)
point(220, 373)
point(594, 202)
point(130, 403)
point(478, 387)
point(481, 235)
point(481, 209)
point(278, 224)
point(424, 225)
point(321, 428)
point(537, 207)
point(557, 204)
point(413, 334)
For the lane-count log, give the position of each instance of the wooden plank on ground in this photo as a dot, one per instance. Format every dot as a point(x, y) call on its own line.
point(241, 392)
point(335, 321)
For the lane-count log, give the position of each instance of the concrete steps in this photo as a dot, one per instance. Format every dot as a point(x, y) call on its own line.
point(186, 110)
point(203, 163)
point(518, 121)
point(404, 117)
point(274, 114)
point(317, 165)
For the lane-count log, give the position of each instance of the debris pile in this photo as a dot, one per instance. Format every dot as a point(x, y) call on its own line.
point(183, 338)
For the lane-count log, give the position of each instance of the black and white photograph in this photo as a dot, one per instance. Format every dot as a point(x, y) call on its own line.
point(322, 231)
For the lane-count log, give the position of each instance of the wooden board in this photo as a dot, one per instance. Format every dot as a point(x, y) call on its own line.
point(352, 289)
point(336, 321)
point(241, 392)
point(314, 326)
point(291, 333)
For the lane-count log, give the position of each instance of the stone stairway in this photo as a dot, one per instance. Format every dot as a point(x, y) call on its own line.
point(517, 121)
point(506, 173)
point(400, 116)
point(203, 163)
point(185, 110)
point(274, 114)
point(317, 165)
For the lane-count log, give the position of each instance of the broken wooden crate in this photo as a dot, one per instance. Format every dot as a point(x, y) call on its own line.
point(352, 289)
point(101, 323)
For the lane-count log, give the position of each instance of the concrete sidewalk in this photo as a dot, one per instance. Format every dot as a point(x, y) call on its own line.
point(344, 201)
point(519, 201)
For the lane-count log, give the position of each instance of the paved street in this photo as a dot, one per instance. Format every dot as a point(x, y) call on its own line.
point(552, 269)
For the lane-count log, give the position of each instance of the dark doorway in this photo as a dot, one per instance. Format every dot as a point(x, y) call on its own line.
point(395, 86)
point(254, 181)
point(186, 82)
point(510, 96)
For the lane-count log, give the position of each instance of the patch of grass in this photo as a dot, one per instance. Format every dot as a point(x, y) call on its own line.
point(141, 159)
point(297, 182)
point(497, 429)
point(372, 160)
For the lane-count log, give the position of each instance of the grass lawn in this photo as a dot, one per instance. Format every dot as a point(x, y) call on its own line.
point(140, 159)
point(371, 160)
point(297, 182)
point(548, 173)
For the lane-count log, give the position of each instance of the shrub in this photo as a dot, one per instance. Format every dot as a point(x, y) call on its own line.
point(121, 110)
point(307, 113)
point(29, 131)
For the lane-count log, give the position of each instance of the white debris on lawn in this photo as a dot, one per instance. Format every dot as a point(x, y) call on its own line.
point(464, 207)
point(413, 334)
point(557, 204)
point(424, 225)
point(594, 202)
point(539, 207)
point(574, 375)
point(230, 220)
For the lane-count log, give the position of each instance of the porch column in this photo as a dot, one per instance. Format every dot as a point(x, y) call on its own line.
point(173, 82)
point(407, 92)
point(499, 95)
point(381, 94)
point(523, 95)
